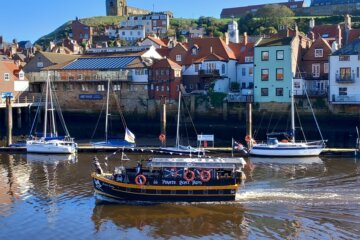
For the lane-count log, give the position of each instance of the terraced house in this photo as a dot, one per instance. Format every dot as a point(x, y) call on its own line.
point(275, 61)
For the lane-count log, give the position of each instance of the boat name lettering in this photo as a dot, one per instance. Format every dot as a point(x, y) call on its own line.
point(196, 182)
point(166, 182)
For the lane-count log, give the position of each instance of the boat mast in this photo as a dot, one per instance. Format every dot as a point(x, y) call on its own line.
point(292, 111)
point(107, 111)
point(177, 143)
point(53, 130)
point(46, 105)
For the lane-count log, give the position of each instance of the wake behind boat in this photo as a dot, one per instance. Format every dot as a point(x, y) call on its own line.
point(172, 180)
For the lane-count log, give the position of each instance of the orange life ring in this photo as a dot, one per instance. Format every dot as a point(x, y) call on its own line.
point(205, 175)
point(140, 179)
point(284, 141)
point(162, 137)
point(247, 138)
point(189, 175)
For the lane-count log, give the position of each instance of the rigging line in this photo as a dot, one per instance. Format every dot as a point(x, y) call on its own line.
point(268, 127)
point(192, 122)
point(37, 113)
point(301, 128)
point(59, 113)
point(97, 123)
point(261, 120)
point(120, 111)
point(312, 111)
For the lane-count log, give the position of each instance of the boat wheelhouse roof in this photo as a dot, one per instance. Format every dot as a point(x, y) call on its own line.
point(224, 163)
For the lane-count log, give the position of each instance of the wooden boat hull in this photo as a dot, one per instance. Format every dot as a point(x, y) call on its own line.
point(162, 193)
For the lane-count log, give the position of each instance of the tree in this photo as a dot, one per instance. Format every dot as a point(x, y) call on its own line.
point(274, 16)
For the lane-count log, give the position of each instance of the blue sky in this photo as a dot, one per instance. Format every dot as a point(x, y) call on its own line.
point(29, 20)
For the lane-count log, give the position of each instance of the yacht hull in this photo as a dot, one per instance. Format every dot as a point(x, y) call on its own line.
point(286, 150)
point(58, 147)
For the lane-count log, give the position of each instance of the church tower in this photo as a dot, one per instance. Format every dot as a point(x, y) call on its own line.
point(233, 31)
point(116, 8)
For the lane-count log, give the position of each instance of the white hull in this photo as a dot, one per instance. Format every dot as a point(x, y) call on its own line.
point(53, 146)
point(286, 150)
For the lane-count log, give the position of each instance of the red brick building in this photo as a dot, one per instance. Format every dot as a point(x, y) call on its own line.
point(81, 32)
point(164, 79)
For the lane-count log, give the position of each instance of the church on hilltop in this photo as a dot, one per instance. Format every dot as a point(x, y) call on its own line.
point(120, 8)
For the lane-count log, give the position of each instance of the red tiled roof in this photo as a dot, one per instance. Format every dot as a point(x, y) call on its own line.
point(210, 57)
point(12, 68)
point(165, 63)
point(246, 9)
point(326, 31)
point(207, 46)
point(158, 41)
point(164, 52)
point(241, 50)
point(354, 34)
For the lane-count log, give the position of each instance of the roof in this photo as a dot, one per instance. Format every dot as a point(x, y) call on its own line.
point(350, 49)
point(326, 31)
point(164, 52)
point(354, 34)
point(210, 57)
point(244, 10)
point(228, 163)
point(58, 57)
point(165, 63)
point(271, 42)
point(12, 68)
point(332, 2)
point(207, 46)
point(241, 50)
point(99, 63)
point(319, 42)
point(158, 41)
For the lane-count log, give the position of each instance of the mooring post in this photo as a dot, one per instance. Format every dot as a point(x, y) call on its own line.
point(19, 117)
point(9, 123)
point(163, 121)
point(249, 119)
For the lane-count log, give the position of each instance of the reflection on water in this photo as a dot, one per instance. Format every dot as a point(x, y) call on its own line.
point(51, 197)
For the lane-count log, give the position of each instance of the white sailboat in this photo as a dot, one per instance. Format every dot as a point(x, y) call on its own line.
point(178, 148)
point(129, 139)
point(290, 148)
point(50, 142)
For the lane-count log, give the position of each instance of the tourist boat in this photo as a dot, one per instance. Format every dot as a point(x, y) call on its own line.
point(127, 142)
point(172, 180)
point(49, 142)
point(287, 147)
point(178, 148)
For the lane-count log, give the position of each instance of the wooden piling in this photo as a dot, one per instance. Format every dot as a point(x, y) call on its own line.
point(19, 118)
point(249, 119)
point(163, 120)
point(9, 121)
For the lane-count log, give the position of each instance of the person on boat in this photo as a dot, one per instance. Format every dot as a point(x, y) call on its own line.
point(97, 166)
point(138, 168)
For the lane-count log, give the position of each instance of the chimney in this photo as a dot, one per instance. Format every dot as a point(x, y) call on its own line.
point(211, 49)
point(334, 46)
point(347, 21)
point(245, 38)
point(227, 38)
point(312, 23)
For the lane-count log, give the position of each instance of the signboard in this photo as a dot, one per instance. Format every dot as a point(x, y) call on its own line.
point(90, 97)
point(209, 138)
point(7, 94)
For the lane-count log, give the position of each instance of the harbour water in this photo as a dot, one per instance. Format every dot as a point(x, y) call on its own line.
point(45, 197)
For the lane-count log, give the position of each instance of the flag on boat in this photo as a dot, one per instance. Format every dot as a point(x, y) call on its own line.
point(129, 136)
point(238, 146)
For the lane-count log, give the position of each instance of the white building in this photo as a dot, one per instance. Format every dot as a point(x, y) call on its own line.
point(155, 22)
point(344, 76)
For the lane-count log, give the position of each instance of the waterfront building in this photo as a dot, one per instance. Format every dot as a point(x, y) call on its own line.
point(13, 82)
point(315, 69)
point(85, 79)
point(344, 76)
point(81, 32)
point(164, 79)
point(276, 62)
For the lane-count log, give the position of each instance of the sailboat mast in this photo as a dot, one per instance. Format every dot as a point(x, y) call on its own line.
point(177, 143)
point(292, 111)
point(46, 105)
point(107, 111)
point(53, 130)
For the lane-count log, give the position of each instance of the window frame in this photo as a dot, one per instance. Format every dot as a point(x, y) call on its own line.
point(264, 92)
point(278, 74)
point(278, 56)
point(263, 74)
point(265, 56)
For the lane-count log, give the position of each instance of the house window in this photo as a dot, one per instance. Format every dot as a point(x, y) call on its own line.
point(223, 69)
point(21, 75)
point(152, 87)
point(319, 53)
point(54, 87)
point(100, 88)
point(177, 73)
point(197, 67)
point(84, 88)
point(279, 74)
point(68, 87)
point(249, 59)
point(343, 91)
point(316, 70)
point(194, 51)
point(251, 71)
point(116, 88)
point(280, 55)
point(264, 92)
point(162, 88)
point(178, 58)
point(79, 77)
point(243, 71)
point(265, 56)
point(345, 74)
point(279, 92)
point(6, 77)
point(157, 88)
point(326, 67)
point(39, 64)
point(344, 58)
point(264, 74)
